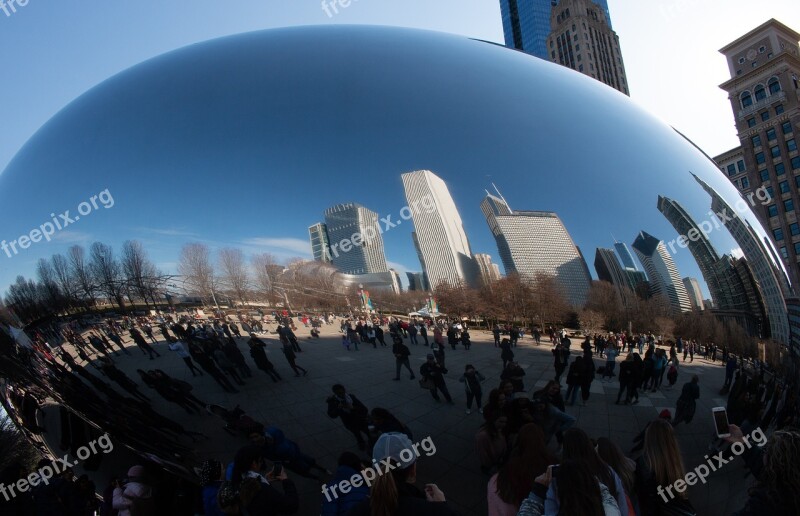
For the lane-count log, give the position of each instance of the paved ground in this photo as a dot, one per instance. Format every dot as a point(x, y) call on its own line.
point(297, 405)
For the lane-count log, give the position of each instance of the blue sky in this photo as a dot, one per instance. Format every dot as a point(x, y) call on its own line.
point(54, 52)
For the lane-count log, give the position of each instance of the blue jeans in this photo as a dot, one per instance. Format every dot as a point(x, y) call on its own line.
point(557, 422)
point(572, 393)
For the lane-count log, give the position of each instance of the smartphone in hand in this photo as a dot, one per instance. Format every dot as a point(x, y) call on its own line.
point(720, 415)
point(277, 470)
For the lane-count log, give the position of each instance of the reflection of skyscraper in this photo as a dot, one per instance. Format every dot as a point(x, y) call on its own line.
point(581, 38)
point(318, 233)
point(416, 281)
point(356, 244)
point(487, 270)
point(661, 271)
point(771, 280)
point(625, 255)
point(692, 287)
point(704, 253)
point(526, 24)
point(534, 242)
point(439, 235)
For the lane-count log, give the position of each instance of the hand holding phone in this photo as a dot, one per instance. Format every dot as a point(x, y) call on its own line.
point(721, 425)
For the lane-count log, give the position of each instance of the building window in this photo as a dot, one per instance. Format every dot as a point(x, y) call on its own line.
point(777, 234)
point(788, 205)
point(745, 183)
point(780, 169)
point(577, 47)
point(764, 175)
point(760, 158)
point(797, 248)
point(756, 140)
point(580, 68)
point(791, 145)
point(765, 116)
point(797, 181)
point(731, 169)
point(762, 49)
point(772, 210)
point(796, 163)
point(776, 151)
point(783, 186)
point(785, 253)
point(794, 228)
point(751, 122)
point(770, 191)
point(740, 165)
point(579, 58)
point(779, 109)
point(774, 85)
point(787, 128)
point(741, 60)
point(746, 99)
point(771, 135)
point(760, 92)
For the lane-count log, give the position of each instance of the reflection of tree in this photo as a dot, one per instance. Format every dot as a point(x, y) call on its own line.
point(140, 273)
point(591, 321)
point(198, 271)
point(234, 273)
point(107, 273)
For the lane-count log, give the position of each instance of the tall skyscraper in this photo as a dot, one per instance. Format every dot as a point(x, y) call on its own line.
point(582, 39)
point(661, 271)
point(625, 256)
point(356, 243)
point(692, 287)
point(534, 242)
point(764, 67)
point(526, 24)
point(488, 271)
point(771, 281)
point(624, 279)
point(320, 247)
point(439, 236)
point(416, 281)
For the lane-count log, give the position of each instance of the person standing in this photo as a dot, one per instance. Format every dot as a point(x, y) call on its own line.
point(412, 333)
point(588, 377)
point(626, 374)
point(575, 379)
point(465, 338)
point(434, 372)
point(423, 332)
point(180, 349)
point(687, 402)
point(506, 355)
point(611, 356)
point(496, 335)
point(560, 360)
point(351, 411)
point(401, 354)
point(472, 384)
point(438, 352)
point(537, 336)
point(291, 357)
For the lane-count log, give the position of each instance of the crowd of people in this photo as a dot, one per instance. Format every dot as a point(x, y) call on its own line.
point(526, 473)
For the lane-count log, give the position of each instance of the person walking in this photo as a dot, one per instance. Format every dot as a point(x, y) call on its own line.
point(438, 352)
point(465, 339)
point(207, 364)
point(687, 402)
point(611, 357)
point(351, 411)
point(423, 332)
point(472, 385)
point(224, 363)
point(143, 345)
point(730, 368)
point(288, 352)
point(434, 373)
point(180, 349)
point(401, 354)
point(259, 354)
point(233, 353)
point(412, 333)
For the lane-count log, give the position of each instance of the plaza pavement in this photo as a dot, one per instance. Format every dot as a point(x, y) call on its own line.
point(297, 406)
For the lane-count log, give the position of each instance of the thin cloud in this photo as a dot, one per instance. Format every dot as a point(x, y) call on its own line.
point(72, 237)
point(166, 231)
point(737, 252)
point(294, 245)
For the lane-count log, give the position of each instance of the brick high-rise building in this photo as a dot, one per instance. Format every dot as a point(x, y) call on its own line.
point(764, 91)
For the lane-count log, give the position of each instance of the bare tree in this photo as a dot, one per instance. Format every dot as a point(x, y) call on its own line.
point(266, 271)
point(63, 277)
point(198, 271)
point(234, 272)
point(107, 273)
point(49, 285)
point(549, 301)
point(81, 274)
point(591, 321)
point(140, 273)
